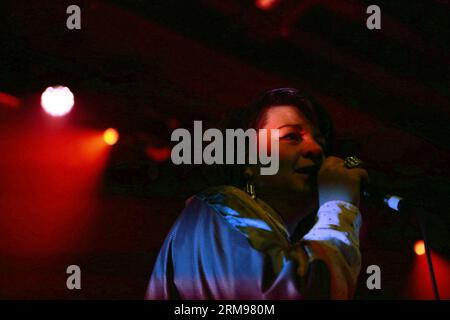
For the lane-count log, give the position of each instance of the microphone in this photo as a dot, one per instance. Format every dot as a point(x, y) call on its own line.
point(376, 189)
point(372, 192)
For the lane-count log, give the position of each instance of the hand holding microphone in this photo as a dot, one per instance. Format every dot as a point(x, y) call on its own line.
point(340, 179)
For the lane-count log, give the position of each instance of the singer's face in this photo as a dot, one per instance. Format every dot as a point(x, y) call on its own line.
point(300, 153)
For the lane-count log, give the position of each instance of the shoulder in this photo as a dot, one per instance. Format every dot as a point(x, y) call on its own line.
point(204, 219)
point(243, 213)
point(223, 195)
point(217, 201)
point(230, 209)
point(217, 207)
point(233, 204)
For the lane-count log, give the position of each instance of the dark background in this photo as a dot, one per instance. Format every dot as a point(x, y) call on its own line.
point(147, 67)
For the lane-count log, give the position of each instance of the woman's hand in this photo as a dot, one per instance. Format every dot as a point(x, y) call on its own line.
point(335, 182)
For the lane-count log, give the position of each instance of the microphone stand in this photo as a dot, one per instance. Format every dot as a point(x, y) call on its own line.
point(401, 205)
point(428, 254)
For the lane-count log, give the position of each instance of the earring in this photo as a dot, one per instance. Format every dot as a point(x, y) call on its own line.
point(250, 189)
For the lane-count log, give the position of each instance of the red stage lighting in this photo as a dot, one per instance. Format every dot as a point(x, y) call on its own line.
point(110, 136)
point(173, 123)
point(9, 101)
point(158, 154)
point(419, 247)
point(57, 101)
point(266, 4)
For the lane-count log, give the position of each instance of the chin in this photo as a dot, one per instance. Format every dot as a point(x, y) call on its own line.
point(305, 188)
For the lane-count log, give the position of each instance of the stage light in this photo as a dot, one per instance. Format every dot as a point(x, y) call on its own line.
point(173, 123)
point(110, 136)
point(158, 154)
point(57, 101)
point(419, 248)
point(266, 4)
point(9, 101)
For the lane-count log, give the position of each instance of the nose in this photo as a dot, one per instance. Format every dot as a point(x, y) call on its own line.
point(311, 149)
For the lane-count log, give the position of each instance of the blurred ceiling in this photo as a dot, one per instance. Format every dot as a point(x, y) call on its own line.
point(160, 56)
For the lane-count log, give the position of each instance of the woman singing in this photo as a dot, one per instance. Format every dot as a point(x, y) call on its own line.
point(292, 235)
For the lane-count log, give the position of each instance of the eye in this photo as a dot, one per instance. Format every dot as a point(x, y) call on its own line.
point(291, 137)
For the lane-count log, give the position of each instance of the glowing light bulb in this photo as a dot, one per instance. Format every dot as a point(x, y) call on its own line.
point(419, 247)
point(266, 4)
point(110, 136)
point(57, 101)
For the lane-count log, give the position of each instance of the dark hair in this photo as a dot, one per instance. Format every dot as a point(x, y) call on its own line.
point(254, 116)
